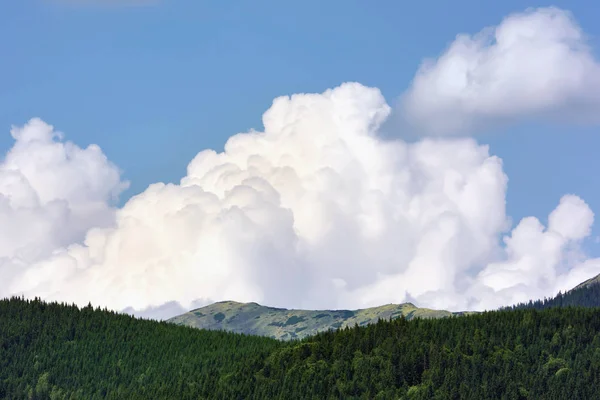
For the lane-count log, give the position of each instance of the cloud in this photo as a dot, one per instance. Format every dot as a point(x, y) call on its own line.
point(51, 193)
point(316, 211)
point(536, 255)
point(535, 64)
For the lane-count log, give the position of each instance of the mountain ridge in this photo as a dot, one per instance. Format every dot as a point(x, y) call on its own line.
point(588, 282)
point(286, 324)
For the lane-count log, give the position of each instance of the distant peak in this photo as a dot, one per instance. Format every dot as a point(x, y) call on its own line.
point(255, 304)
point(592, 281)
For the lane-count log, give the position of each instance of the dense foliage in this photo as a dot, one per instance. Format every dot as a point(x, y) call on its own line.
point(48, 350)
point(58, 351)
point(523, 354)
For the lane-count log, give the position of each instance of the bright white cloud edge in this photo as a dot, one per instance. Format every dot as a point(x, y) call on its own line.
point(317, 211)
point(535, 64)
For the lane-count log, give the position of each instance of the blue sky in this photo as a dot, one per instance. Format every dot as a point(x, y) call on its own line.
point(172, 79)
point(155, 84)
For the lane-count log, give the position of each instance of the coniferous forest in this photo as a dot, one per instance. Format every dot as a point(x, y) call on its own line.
point(57, 351)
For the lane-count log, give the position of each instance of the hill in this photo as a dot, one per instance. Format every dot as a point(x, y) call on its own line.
point(590, 282)
point(58, 351)
point(586, 294)
point(284, 324)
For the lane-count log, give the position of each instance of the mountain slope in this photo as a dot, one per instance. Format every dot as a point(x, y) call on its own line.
point(592, 281)
point(284, 324)
point(58, 351)
point(586, 294)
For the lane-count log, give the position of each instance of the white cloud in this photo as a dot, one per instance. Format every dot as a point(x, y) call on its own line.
point(572, 219)
point(316, 211)
point(51, 193)
point(536, 256)
point(534, 64)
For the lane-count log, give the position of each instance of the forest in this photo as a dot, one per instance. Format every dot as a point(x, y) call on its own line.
point(58, 351)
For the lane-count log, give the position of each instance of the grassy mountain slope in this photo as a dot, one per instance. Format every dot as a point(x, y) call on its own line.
point(54, 351)
point(284, 324)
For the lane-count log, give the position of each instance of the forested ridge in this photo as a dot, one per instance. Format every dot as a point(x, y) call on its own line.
point(584, 296)
point(54, 351)
point(57, 351)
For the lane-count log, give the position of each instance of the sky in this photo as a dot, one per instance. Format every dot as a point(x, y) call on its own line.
point(401, 101)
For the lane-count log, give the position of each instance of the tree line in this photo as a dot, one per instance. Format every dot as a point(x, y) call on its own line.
point(60, 351)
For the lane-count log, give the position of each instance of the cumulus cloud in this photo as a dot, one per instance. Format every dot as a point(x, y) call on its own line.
point(536, 256)
point(51, 193)
point(316, 211)
point(533, 64)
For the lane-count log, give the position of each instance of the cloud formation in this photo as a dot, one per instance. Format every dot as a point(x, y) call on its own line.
point(51, 193)
point(317, 211)
point(533, 64)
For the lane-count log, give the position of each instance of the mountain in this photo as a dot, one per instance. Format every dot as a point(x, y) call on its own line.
point(590, 282)
point(586, 294)
point(284, 324)
point(59, 351)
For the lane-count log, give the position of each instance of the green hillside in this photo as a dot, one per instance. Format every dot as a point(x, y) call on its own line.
point(53, 351)
point(284, 324)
